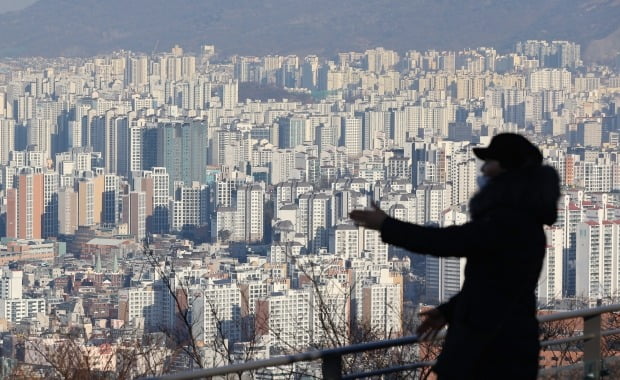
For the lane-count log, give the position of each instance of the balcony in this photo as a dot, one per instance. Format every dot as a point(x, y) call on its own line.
point(591, 364)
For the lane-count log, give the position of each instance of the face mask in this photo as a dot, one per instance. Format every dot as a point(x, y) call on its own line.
point(482, 181)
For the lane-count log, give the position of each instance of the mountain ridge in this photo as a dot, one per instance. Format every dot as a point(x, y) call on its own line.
point(324, 27)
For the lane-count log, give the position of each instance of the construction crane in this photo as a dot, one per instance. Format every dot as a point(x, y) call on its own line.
point(155, 48)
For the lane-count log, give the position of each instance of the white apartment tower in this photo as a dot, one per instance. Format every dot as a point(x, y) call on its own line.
point(7, 139)
point(352, 135)
point(13, 307)
point(549, 79)
point(249, 213)
point(550, 280)
point(11, 283)
point(161, 197)
point(138, 307)
point(344, 241)
point(216, 308)
point(190, 206)
point(331, 311)
point(230, 94)
point(598, 260)
point(374, 246)
point(320, 220)
point(133, 161)
point(39, 135)
point(285, 319)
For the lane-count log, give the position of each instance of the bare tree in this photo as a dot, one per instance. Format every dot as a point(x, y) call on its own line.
point(338, 329)
point(183, 336)
point(73, 356)
point(330, 293)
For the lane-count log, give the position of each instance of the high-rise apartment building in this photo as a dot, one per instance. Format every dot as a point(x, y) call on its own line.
point(39, 136)
point(136, 71)
point(285, 319)
point(445, 275)
point(282, 165)
point(291, 131)
point(130, 159)
point(90, 199)
point(550, 79)
point(590, 133)
point(182, 150)
point(380, 59)
point(550, 280)
point(331, 311)
point(134, 213)
point(433, 199)
point(26, 205)
point(67, 211)
point(344, 241)
point(110, 200)
point(352, 136)
point(7, 139)
point(216, 308)
point(161, 201)
point(514, 106)
point(597, 260)
point(382, 305)
point(230, 94)
point(13, 307)
point(316, 211)
point(50, 203)
point(137, 307)
point(189, 206)
point(11, 283)
point(249, 213)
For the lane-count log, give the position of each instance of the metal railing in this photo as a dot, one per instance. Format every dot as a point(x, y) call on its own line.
point(591, 336)
point(331, 359)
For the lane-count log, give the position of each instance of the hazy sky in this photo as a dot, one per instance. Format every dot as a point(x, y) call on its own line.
point(13, 5)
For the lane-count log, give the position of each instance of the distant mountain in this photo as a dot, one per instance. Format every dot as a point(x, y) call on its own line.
point(257, 27)
point(14, 5)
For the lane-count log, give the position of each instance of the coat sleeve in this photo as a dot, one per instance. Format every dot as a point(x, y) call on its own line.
point(447, 308)
point(475, 238)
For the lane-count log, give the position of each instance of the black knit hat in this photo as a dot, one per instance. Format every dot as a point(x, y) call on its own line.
point(513, 151)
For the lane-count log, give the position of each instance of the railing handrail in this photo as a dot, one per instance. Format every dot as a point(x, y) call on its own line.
point(583, 313)
point(369, 346)
point(290, 359)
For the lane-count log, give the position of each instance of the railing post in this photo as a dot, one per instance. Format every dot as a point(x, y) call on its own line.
point(332, 367)
point(592, 347)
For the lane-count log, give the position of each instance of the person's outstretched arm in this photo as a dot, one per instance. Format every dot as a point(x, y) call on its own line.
point(474, 238)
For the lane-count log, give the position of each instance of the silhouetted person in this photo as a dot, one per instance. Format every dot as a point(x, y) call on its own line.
point(492, 325)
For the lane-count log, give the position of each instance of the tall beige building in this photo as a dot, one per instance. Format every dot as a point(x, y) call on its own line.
point(90, 200)
point(25, 205)
point(67, 211)
point(382, 305)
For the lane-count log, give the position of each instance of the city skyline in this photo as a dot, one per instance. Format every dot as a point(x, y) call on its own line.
point(148, 203)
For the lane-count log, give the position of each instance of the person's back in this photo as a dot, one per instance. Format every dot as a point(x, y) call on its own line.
point(493, 320)
point(492, 326)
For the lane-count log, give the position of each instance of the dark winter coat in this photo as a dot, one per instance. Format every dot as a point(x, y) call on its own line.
point(492, 326)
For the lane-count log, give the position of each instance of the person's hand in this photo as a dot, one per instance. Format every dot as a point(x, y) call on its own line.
point(372, 219)
point(431, 325)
